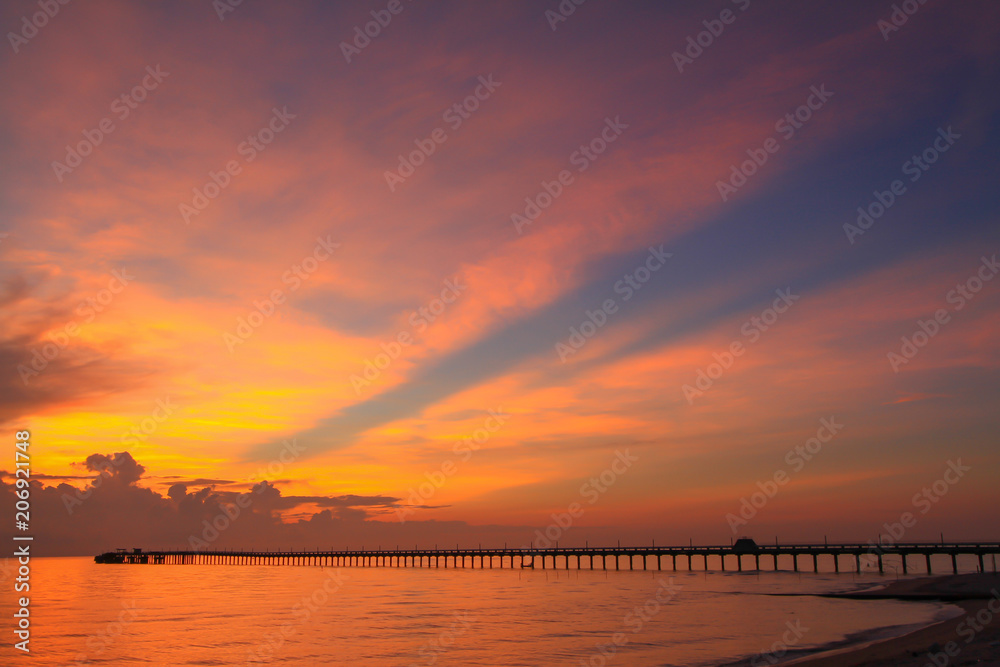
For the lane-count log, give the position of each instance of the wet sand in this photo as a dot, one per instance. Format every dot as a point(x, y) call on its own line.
point(971, 638)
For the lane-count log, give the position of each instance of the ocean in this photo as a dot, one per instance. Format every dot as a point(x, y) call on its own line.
point(88, 614)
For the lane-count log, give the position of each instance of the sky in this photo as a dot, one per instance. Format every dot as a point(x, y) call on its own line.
point(359, 274)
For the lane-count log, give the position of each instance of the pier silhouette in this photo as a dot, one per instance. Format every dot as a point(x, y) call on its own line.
point(744, 552)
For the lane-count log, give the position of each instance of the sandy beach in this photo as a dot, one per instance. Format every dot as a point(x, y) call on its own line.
point(972, 638)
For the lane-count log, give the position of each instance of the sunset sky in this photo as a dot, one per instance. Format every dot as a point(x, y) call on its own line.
point(221, 265)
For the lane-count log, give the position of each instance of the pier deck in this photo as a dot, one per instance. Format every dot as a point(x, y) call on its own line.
point(651, 557)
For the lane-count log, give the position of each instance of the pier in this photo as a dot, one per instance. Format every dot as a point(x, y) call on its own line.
point(744, 555)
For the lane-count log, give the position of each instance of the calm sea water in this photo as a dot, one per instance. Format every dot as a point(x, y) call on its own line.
point(83, 613)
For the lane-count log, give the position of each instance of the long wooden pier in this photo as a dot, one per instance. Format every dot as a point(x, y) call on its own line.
point(744, 554)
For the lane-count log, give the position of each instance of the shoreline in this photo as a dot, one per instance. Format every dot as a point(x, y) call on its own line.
point(970, 636)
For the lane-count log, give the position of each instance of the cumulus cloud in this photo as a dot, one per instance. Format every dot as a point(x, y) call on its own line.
point(120, 467)
point(115, 510)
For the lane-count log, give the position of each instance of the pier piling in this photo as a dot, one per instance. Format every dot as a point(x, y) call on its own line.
point(537, 557)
